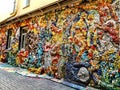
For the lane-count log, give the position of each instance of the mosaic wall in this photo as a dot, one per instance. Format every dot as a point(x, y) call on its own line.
point(79, 43)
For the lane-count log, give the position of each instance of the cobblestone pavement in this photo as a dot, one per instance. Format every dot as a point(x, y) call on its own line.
point(14, 81)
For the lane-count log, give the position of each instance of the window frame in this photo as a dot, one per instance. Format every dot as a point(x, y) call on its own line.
point(9, 35)
point(14, 8)
point(22, 37)
point(26, 3)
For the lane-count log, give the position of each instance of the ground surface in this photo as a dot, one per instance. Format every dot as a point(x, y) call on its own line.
point(14, 81)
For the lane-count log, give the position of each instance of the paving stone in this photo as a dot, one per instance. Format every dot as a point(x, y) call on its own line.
point(13, 81)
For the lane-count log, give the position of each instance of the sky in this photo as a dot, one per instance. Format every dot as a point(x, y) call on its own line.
point(6, 7)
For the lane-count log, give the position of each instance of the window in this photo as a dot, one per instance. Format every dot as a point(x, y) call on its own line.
point(9, 34)
point(26, 3)
point(22, 38)
point(13, 4)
